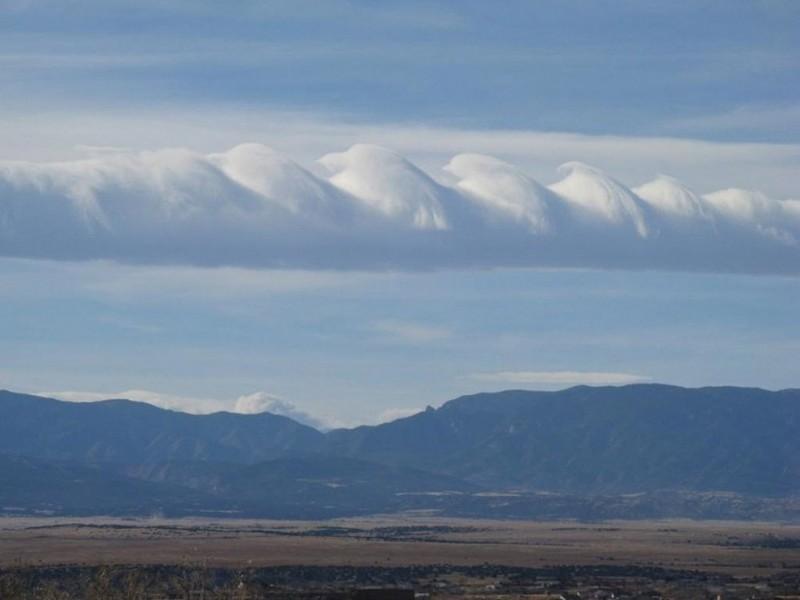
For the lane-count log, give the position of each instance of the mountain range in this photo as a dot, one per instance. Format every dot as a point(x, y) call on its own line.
point(641, 450)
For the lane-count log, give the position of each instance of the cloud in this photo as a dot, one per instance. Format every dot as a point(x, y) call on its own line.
point(259, 402)
point(560, 377)
point(376, 210)
point(414, 333)
point(307, 135)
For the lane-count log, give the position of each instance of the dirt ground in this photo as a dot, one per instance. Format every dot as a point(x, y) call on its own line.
point(736, 548)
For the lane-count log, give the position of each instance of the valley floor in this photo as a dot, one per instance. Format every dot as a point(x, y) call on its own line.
point(437, 556)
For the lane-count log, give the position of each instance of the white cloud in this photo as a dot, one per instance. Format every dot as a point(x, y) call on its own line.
point(560, 377)
point(408, 332)
point(388, 184)
point(259, 402)
point(703, 165)
point(252, 207)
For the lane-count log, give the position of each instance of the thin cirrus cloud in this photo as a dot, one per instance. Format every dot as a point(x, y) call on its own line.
point(561, 377)
point(410, 332)
point(376, 210)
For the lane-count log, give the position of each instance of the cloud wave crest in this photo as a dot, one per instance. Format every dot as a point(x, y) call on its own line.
point(376, 210)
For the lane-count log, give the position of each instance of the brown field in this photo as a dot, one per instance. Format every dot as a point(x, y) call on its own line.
point(734, 548)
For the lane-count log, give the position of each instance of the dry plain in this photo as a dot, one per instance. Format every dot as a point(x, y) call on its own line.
point(736, 548)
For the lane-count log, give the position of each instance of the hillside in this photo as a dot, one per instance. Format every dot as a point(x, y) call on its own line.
point(30, 485)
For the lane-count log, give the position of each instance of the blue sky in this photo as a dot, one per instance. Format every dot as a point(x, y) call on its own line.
point(703, 91)
point(724, 69)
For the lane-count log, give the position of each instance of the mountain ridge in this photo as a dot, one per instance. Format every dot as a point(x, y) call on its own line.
point(130, 431)
point(488, 438)
point(716, 449)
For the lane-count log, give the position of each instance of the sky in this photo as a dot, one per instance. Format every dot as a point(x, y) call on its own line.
point(346, 211)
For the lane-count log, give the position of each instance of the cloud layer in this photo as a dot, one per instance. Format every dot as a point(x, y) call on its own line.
point(375, 210)
point(561, 377)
